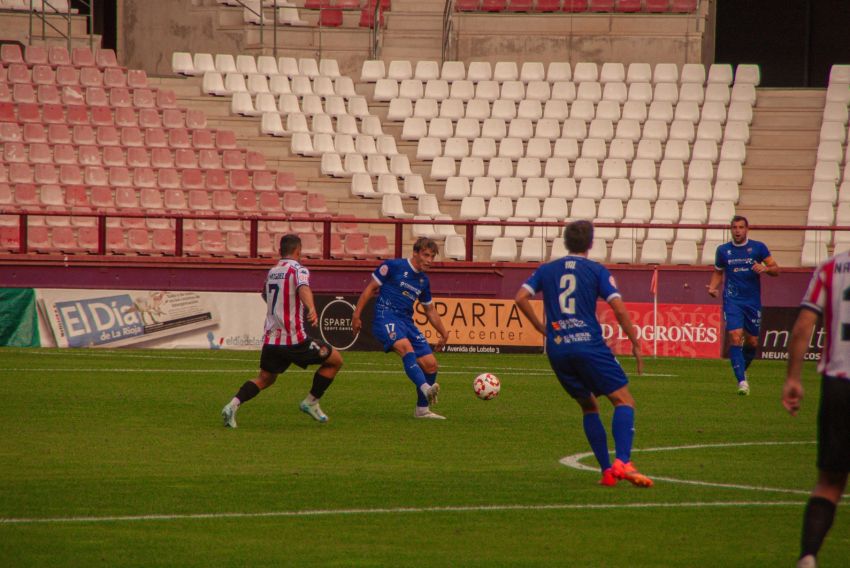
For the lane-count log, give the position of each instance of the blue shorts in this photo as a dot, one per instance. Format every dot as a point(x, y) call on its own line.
point(742, 316)
point(389, 328)
point(592, 371)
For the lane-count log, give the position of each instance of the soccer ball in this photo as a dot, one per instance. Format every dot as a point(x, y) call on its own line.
point(486, 386)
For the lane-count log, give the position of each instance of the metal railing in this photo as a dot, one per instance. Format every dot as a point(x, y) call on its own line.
point(448, 32)
point(328, 223)
point(43, 15)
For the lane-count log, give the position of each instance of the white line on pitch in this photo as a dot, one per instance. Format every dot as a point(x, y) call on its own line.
point(574, 461)
point(536, 372)
point(402, 510)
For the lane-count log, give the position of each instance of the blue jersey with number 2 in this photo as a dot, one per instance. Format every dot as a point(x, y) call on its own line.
point(571, 285)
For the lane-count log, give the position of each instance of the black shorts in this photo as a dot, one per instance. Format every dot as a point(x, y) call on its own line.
point(834, 425)
point(277, 358)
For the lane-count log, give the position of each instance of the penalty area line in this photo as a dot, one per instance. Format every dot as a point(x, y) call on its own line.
point(402, 510)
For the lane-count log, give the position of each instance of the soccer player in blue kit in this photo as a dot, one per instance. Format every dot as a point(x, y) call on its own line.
point(583, 363)
point(743, 261)
point(399, 284)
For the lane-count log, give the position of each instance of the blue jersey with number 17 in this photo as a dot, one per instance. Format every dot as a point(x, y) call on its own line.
point(571, 285)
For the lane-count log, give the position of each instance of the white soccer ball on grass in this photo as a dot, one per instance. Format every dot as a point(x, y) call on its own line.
point(486, 386)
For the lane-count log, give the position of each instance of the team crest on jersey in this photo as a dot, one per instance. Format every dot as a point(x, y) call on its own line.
point(558, 339)
point(392, 335)
point(323, 351)
point(749, 250)
point(556, 326)
point(405, 273)
point(383, 270)
point(612, 282)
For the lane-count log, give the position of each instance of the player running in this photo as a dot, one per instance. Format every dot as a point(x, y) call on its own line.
point(399, 283)
point(743, 261)
point(287, 292)
point(826, 296)
point(582, 362)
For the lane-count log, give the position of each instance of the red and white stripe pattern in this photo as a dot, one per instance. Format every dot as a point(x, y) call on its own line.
point(826, 295)
point(285, 311)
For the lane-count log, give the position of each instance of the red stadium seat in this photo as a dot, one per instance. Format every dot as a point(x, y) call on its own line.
point(521, 6)
point(58, 55)
point(628, 5)
point(225, 139)
point(311, 245)
point(106, 58)
point(64, 239)
point(144, 177)
point(5, 93)
point(467, 5)
point(10, 239)
point(59, 134)
point(64, 154)
point(87, 239)
point(23, 93)
point(78, 114)
point(149, 118)
point(233, 160)
point(263, 180)
point(132, 136)
point(102, 198)
point(493, 5)
point(70, 174)
point(35, 55)
point(163, 241)
point(191, 243)
point(155, 138)
point(684, 6)
point(179, 138)
point(107, 136)
point(126, 117)
point(265, 248)
point(120, 177)
point(285, 181)
point(53, 114)
point(330, 18)
point(83, 134)
point(240, 179)
point(222, 200)
point(114, 156)
point(7, 112)
point(270, 203)
point(126, 198)
point(378, 246)
point(91, 77)
point(46, 173)
point(172, 118)
point(209, 159)
point(203, 139)
point(66, 75)
point(74, 95)
point(144, 98)
point(246, 201)
point(601, 5)
point(18, 73)
point(96, 96)
point(76, 197)
point(40, 154)
point(185, 158)
point(11, 53)
point(316, 203)
point(138, 158)
point(21, 173)
point(10, 132)
point(213, 242)
point(354, 245)
point(43, 75)
point(89, 156)
point(192, 179)
point(255, 161)
point(115, 241)
point(657, 5)
point(216, 179)
point(48, 94)
point(15, 152)
point(26, 195)
point(138, 240)
point(120, 97)
point(82, 57)
point(136, 78)
point(174, 200)
point(28, 113)
point(95, 175)
point(166, 99)
point(101, 116)
point(195, 119)
point(38, 239)
point(575, 6)
point(114, 77)
point(168, 178)
point(34, 132)
point(294, 202)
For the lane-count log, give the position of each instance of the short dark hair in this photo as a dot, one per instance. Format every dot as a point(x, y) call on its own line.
point(737, 218)
point(424, 243)
point(289, 243)
point(578, 236)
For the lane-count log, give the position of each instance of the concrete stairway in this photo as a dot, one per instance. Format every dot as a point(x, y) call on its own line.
point(780, 166)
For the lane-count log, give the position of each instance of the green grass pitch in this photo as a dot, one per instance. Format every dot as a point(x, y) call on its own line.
point(118, 458)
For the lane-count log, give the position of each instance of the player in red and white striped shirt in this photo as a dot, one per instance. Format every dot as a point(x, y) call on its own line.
point(287, 294)
point(828, 295)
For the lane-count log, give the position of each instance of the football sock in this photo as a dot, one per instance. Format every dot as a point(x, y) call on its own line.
point(817, 521)
point(430, 378)
point(736, 357)
point(749, 355)
point(623, 429)
point(320, 385)
point(248, 391)
point(598, 438)
point(415, 374)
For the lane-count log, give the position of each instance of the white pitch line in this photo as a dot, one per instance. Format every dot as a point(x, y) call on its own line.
point(574, 461)
point(401, 510)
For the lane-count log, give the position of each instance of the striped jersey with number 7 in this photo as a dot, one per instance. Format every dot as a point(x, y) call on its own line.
point(829, 294)
point(284, 309)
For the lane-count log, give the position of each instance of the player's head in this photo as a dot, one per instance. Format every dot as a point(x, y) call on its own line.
point(425, 250)
point(578, 236)
point(739, 227)
point(290, 246)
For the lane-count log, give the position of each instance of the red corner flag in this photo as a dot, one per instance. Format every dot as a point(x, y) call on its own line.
point(653, 284)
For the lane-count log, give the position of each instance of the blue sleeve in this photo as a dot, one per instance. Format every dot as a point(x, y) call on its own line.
point(533, 282)
point(764, 252)
point(425, 296)
point(382, 273)
point(607, 285)
point(719, 259)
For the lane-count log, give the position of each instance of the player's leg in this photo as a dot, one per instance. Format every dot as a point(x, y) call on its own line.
point(246, 392)
point(426, 360)
point(752, 324)
point(330, 362)
point(735, 340)
point(392, 334)
point(833, 466)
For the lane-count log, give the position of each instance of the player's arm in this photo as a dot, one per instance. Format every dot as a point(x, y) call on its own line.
point(371, 290)
point(306, 295)
point(523, 302)
point(625, 322)
point(792, 392)
point(713, 286)
point(767, 266)
point(435, 320)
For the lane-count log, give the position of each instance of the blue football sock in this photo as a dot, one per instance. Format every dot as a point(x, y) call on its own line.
point(736, 357)
point(598, 438)
point(749, 355)
point(415, 374)
point(430, 378)
point(623, 429)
